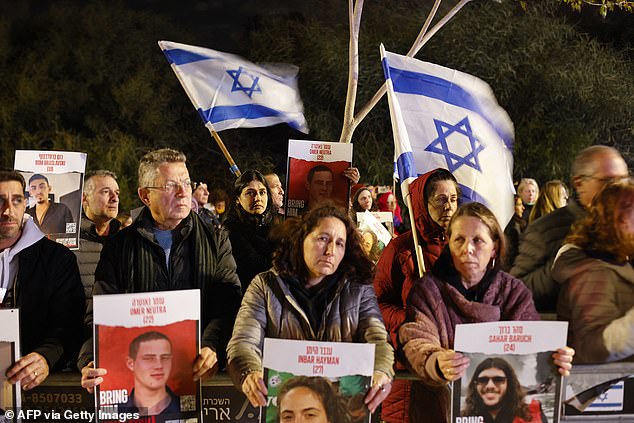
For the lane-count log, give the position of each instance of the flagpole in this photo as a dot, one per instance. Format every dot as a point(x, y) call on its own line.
point(417, 248)
point(233, 167)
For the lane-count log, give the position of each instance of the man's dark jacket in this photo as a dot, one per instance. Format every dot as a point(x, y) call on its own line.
point(132, 261)
point(50, 297)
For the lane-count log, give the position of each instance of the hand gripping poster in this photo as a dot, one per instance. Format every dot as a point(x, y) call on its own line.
point(315, 175)
point(325, 379)
point(54, 182)
point(9, 353)
point(511, 375)
point(148, 343)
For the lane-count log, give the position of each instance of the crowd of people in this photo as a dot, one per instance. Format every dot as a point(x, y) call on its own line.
point(310, 278)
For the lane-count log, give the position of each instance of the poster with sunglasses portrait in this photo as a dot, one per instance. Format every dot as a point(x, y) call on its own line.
point(317, 381)
point(10, 398)
point(54, 183)
point(148, 343)
point(315, 175)
point(511, 376)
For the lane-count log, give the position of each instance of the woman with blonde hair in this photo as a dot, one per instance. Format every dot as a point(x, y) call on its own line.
point(554, 195)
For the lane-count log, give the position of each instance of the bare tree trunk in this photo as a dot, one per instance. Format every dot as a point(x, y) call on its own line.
point(354, 16)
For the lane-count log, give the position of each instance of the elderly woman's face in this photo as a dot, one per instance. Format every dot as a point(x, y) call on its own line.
point(443, 202)
point(302, 405)
point(253, 198)
point(324, 248)
point(471, 249)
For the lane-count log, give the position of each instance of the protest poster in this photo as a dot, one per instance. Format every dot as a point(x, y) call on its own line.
point(375, 232)
point(148, 343)
point(511, 373)
point(332, 377)
point(315, 175)
point(54, 183)
point(9, 353)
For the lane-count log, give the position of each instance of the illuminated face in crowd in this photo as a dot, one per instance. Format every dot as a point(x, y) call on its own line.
point(39, 189)
point(152, 364)
point(170, 197)
point(519, 207)
point(471, 249)
point(277, 192)
point(302, 405)
point(365, 199)
point(491, 386)
point(443, 202)
point(607, 167)
point(254, 198)
point(12, 208)
point(201, 194)
point(529, 194)
point(103, 200)
point(324, 248)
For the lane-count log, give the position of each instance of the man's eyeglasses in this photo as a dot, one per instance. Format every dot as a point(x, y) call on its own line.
point(484, 380)
point(605, 180)
point(172, 187)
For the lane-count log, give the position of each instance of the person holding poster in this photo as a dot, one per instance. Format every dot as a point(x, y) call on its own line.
point(495, 393)
point(318, 289)
point(40, 277)
point(168, 247)
point(50, 217)
point(595, 269)
point(465, 286)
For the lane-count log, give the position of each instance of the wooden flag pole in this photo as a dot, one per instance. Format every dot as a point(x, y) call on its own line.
point(233, 167)
point(417, 248)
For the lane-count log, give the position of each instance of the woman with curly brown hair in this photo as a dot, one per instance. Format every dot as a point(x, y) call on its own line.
point(495, 393)
point(595, 269)
point(320, 288)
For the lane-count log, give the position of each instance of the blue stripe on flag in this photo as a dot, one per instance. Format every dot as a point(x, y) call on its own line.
point(179, 56)
point(468, 195)
point(244, 111)
point(406, 166)
point(409, 82)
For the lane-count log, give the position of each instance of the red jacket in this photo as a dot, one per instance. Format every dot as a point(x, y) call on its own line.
point(396, 273)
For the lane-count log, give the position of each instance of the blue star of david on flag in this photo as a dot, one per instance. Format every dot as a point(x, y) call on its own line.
point(238, 85)
point(441, 146)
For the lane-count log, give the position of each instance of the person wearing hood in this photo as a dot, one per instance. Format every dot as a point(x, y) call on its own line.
point(387, 203)
point(249, 223)
point(595, 270)
point(434, 201)
point(39, 277)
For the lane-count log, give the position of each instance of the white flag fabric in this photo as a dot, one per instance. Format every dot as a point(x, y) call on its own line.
point(443, 118)
point(230, 92)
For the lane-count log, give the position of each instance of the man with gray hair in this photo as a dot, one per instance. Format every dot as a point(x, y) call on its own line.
point(100, 202)
point(592, 169)
point(168, 247)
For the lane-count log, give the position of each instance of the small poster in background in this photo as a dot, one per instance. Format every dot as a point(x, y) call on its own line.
point(511, 374)
point(54, 183)
point(10, 398)
point(374, 232)
point(315, 175)
point(331, 378)
point(148, 342)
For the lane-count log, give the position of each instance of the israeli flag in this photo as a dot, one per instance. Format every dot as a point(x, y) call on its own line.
point(230, 92)
point(445, 118)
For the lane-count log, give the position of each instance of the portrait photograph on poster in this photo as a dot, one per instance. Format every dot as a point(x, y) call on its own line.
point(315, 175)
point(54, 183)
point(511, 375)
point(329, 378)
point(148, 349)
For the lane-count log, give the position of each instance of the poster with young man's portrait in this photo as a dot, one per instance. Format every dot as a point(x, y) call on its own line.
point(511, 375)
point(148, 343)
point(315, 175)
point(330, 379)
point(54, 183)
